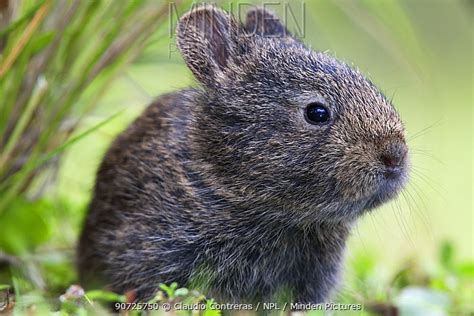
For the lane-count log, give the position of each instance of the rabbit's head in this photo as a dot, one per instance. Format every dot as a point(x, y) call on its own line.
point(279, 124)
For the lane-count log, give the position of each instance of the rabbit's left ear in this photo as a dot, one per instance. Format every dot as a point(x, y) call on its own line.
point(264, 23)
point(207, 38)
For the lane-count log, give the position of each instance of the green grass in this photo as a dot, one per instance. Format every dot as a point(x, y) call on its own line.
point(54, 68)
point(57, 60)
point(414, 254)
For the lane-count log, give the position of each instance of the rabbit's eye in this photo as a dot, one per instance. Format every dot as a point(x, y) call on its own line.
point(316, 113)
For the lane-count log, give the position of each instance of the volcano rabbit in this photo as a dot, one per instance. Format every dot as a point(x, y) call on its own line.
point(248, 186)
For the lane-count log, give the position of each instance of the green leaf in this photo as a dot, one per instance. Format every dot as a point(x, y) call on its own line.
point(105, 296)
point(466, 270)
point(447, 254)
point(364, 265)
point(25, 226)
point(210, 311)
point(41, 41)
point(169, 290)
point(181, 292)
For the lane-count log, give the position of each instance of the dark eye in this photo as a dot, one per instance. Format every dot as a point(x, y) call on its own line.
point(316, 113)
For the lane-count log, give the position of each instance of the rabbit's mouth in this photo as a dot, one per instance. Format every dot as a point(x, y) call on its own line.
point(391, 183)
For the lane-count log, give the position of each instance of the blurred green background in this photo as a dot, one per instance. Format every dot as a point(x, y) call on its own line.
point(420, 53)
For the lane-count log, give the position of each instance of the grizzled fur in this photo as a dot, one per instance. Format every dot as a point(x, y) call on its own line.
point(228, 187)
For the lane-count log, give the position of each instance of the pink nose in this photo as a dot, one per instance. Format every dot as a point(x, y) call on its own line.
point(391, 161)
point(394, 156)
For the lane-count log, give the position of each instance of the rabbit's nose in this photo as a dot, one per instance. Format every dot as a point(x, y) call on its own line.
point(393, 157)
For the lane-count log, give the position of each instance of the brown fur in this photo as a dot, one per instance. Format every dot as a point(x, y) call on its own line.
point(228, 187)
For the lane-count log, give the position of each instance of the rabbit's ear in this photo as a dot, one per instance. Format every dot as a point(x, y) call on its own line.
point(264, 23)
point(206, 38)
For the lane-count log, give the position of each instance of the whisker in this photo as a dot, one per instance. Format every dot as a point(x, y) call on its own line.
point(396, 210)
point(425, 179)
point(375, 228)
point(364, 247)
point(403, 219)
point(425, 153)
point(409, 203)
point(423, 131)
point(421, 210)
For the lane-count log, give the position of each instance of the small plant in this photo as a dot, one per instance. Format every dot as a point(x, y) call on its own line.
point(78, 302)
point(445, 287)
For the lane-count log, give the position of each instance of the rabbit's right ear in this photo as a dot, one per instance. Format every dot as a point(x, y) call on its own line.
point(206, 38)
point(264, 23)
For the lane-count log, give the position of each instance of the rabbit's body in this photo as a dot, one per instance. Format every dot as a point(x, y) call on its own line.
point(159, 221)
point(247, 188)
